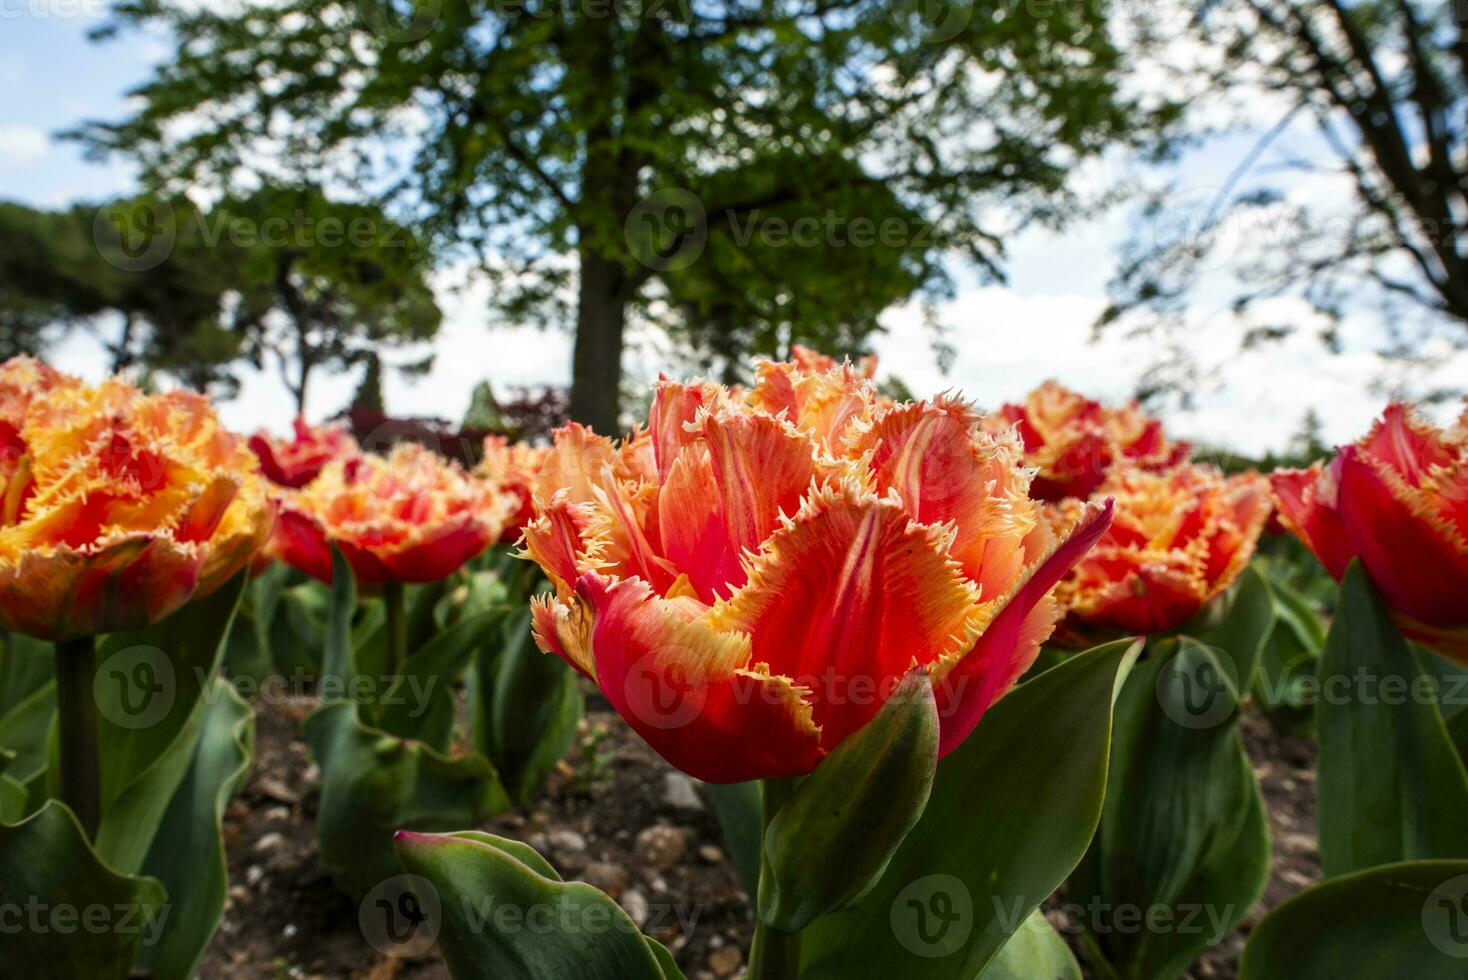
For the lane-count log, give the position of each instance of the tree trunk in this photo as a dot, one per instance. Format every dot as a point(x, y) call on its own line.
point(596, 362)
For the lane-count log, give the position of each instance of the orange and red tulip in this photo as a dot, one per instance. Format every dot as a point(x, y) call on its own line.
point(410, 516)
point(513, 468)
point(1179, 539)
point(749, 578)
point(116, 507)
point(1398, 500)
point(1074, 441)
point(295, 462)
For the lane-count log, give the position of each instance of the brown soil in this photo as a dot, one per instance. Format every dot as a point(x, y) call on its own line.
point(286, 919)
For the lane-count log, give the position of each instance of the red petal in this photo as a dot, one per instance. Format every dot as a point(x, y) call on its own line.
point(683, 687)
point(299, 541)
point(1305, 502)
point(1005, 650)
point(846, 599)
point(1411, 554)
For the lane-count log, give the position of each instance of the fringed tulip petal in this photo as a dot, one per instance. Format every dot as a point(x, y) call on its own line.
point(1008, 645)
point(685, 688)
point(116, 507)
point(1398, 500)
point(846, 599)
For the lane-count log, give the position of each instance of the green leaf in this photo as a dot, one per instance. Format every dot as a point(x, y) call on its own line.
point(188, 853)
point(51, 876)
point(1391, 786)
point(420, 702)
point(338, 658)
point(737, 806)
point(1009, 816)
point(1035, 952)
point(1240, 625)
point(374, 784)
point(25, 731)
point(1184, 833)
point(1398, 920)
point(832, 838)
point(150, 700)
point(484, 894)
point(26, 666)
point(525, 706)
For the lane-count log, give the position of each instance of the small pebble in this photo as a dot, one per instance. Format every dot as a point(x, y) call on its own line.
point(634, 903)
point(661, 846)
point(725, 962)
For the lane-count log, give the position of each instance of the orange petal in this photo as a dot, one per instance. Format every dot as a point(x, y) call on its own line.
point(684, 687)
point(944, 469)
point(846, 598)
point(725, 496)
point(1011, 640)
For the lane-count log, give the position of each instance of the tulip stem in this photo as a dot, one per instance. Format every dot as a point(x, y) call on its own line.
point(397, 626)
point(775, 953)
point(81, 775)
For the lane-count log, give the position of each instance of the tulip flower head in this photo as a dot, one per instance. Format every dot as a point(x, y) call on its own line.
point(296, 462)
point(409, 516)
point(1074, 441)
point(1397, 500)
point(749, 578)
point(1179, 539)
point(513, 468)
point(116, 507)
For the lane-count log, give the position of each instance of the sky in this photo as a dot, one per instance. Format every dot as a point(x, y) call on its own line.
point(1008, 338)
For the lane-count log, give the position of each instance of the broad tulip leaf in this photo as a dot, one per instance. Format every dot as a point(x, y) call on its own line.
point(1398, 920)
point(1452, 685)
point(1184, 832)
point(188, 853)
point(50, 875)
point(248, 653)
point(374, 783)
point(831, 839)
point(1034, 952)
point(338, 659)
point(525, 706)
point(1010, 814)
point(1391, 785)
point(25, 730)
point(150, 697)
point(1288, 660)
point(482, 886)
point(13, 799)
point(26, 666)
point(1239, 627)
point(738, 808)
point(420, 702)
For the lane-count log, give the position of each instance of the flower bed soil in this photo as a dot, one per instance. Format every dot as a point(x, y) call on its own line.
point(630, 825)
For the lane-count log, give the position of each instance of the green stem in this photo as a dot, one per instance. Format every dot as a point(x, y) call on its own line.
point(76, 704)
point(397, 626)
point(775, 954)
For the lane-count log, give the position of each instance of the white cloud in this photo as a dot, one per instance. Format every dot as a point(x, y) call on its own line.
point(23, 145)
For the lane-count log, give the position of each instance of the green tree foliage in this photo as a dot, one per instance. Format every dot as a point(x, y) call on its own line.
point(327, 284)
point(600, 157)
point(284, 278)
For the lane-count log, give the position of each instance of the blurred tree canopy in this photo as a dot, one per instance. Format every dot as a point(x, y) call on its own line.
point(645, 161)
point(282, 276)
point(1385, 85)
